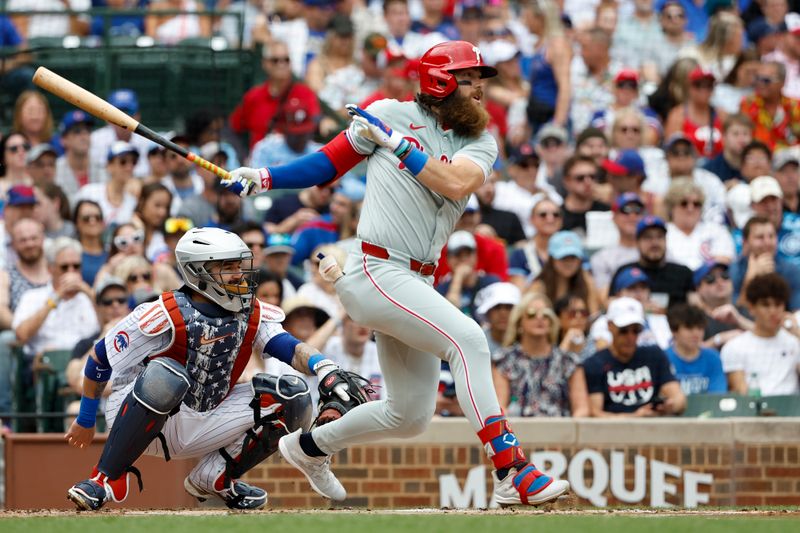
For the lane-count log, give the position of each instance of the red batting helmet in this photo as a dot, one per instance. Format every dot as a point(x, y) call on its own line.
point(438, 63)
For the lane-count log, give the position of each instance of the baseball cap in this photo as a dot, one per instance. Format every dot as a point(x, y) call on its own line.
point(459, 240)
point(341, 25)
point(624, 199)
point(498, 51)
point(295, 303)
point(472, 204)
point(73, 118)
point(624, 312)
point(628, 75)
point(628, 278)
point(106, 283)
point(781, 158)
point(120, 148)
point(552, 131)
point(180, 138)
point(705, 269)
point(792, 22)
point(677, 138)
point(699, 73)
point(565, 244)
point(650, 221)
point(738, 201)
point(375, 43)
point(764, 186)
point(211, 149)
point(279, 243)
point(521, 153)
point(21, 195)
point(627, 163)
point(320, 3)
point(38, 151)
point(352, 187)
point(296, 117)
point(496, 294)
point(760, 28)
point(126, 100)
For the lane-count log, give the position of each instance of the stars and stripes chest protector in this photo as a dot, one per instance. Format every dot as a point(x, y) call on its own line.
point(215, 350)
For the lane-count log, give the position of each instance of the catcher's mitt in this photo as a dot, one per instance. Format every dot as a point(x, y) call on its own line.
point(331, 405)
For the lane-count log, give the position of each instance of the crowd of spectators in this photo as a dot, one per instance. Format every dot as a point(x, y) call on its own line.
point(637, 242)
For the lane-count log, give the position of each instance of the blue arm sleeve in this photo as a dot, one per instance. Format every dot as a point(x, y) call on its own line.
point(309, 170)
point(282, 347)
point(100, 352)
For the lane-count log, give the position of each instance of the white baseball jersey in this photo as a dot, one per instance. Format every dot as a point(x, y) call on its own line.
point(399, 212)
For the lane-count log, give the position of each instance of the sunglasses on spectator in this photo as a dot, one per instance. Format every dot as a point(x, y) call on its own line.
point(765, 80)
point(575, 313)
point(529, 163)
point(254, 244)
point(703, 84)
point(630, 129)
point(628, 330)
point(276, 60)
point(91, 218)
point(681, 153)
point(14, 148)
point(502, 32)
point(66, 267)
point(539, 313)
point(106, 302)
point(551, 143)
point(686, 203)
point(551, 214)
point(632, 209)
point(79, 128)
point(584, 177)
point(174, 225)
point(675, 15)
point(627, 84)
point(139, 276)
point(123, 241)
point(711, 278)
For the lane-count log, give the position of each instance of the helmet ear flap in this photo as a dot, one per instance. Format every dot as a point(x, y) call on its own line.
point(442, 82)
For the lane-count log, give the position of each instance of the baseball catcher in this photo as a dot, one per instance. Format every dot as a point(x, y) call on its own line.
point(174, 366)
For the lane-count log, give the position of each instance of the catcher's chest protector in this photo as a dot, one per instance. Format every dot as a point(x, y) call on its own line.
point(214, 350)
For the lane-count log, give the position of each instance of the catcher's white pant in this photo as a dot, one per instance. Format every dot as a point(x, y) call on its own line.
point(192, 434)
point(415, 328)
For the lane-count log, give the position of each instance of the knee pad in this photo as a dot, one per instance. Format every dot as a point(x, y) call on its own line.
point(290, 402)
point(162, 385)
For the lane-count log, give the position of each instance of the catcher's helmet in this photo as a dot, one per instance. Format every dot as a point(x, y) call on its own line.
point(438, 63)
point(200, 246)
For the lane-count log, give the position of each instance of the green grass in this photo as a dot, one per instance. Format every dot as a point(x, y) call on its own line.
point(389, 523)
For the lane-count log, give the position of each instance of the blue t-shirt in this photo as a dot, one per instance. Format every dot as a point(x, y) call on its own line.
point(783, 266)
point(701, 376)
point(90, 265)
point(9, 36)
point(628, 386)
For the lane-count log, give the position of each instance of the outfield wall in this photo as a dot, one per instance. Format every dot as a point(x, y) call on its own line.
point(687, 462)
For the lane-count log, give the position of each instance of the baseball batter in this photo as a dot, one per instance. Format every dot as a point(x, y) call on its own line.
point(424, 159)
point(175, 364)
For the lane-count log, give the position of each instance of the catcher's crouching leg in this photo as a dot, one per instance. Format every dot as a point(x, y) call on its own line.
point(287, 402)
point(157, 392)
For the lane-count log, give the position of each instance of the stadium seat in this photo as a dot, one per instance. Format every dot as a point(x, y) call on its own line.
point(24, 398)
point(788, 405)
point(51, 388)
point(720, 405)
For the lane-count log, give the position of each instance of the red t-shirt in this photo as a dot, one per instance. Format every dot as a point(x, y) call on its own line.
point(492, 259)
point(254, 113)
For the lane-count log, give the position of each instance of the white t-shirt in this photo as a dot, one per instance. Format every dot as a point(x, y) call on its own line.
point(48, 25)
point(112, 214)
point(509, 196)
point(71, 320)
point(327, 302)
point(706, 241)
point(770, 364)
point(367, 365)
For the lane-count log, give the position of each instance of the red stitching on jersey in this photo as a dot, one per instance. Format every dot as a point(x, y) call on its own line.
point(431, 324)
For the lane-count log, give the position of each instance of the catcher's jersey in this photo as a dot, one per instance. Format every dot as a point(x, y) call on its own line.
point(148, 330)
point(399, 212)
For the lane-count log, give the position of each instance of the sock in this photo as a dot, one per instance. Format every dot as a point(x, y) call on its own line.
point(310, 447)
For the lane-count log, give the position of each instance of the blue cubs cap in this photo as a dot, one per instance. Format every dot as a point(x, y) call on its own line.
point(628, 278)
point(705, 269)
point(650, 221)
point(119, 148)
point(73, 118)
point(565, 244)
point(21, 195)
point(624, 199)
point(126, 100)
point(627, 163)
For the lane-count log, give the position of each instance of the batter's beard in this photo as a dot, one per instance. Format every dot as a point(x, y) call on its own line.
point(457, 112)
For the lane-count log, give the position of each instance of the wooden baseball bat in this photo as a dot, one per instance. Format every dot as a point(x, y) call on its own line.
point(94, 105)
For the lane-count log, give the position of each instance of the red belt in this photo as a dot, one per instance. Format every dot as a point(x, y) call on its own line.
point(426, 269)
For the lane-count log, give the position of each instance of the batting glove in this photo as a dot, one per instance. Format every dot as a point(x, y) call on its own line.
point(377, 130)
point(325, 367)
point(245, 181)
point(329, 268)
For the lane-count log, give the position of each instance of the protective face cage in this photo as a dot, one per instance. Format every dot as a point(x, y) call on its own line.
point(232, 296)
